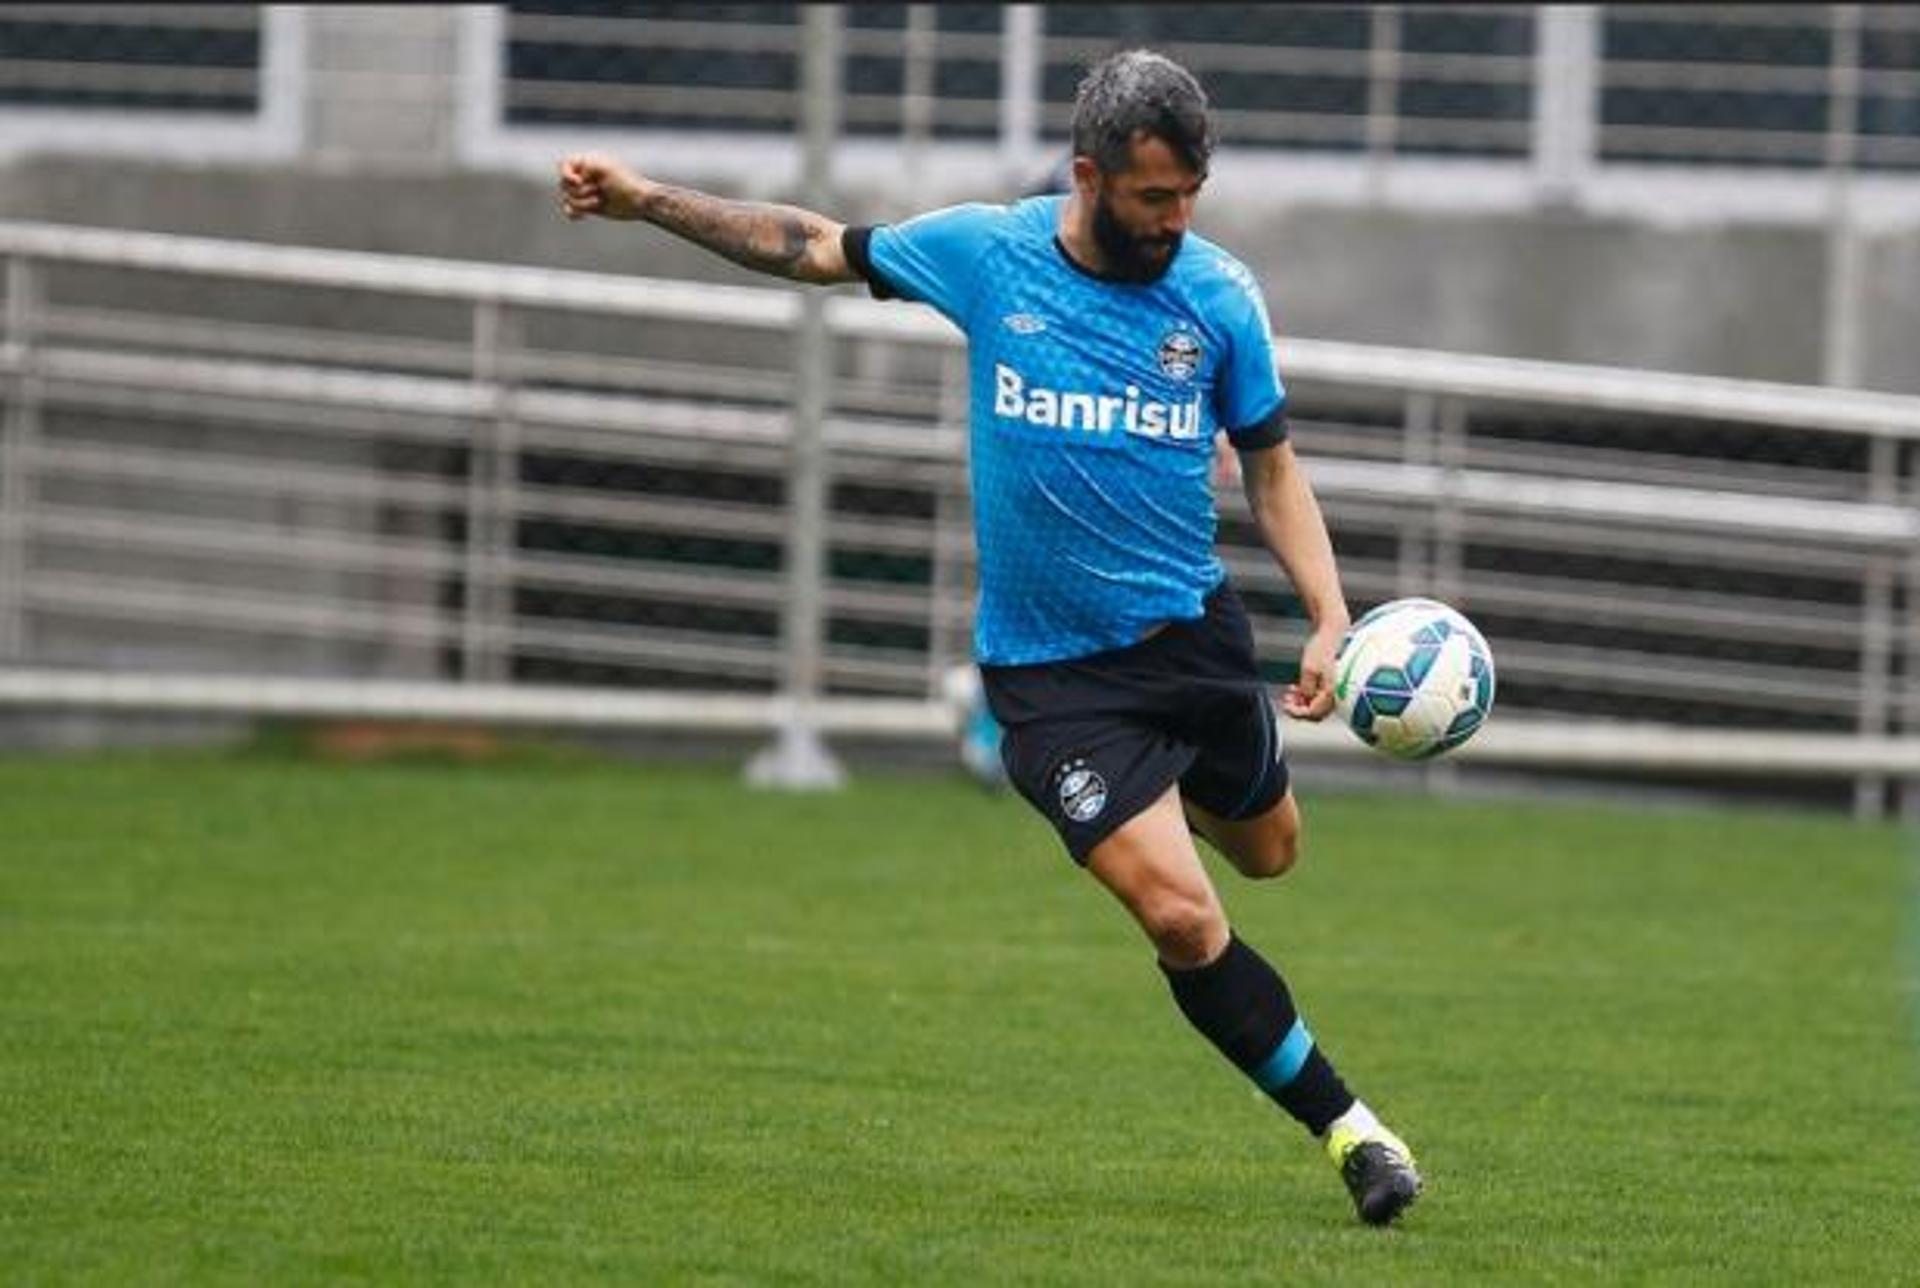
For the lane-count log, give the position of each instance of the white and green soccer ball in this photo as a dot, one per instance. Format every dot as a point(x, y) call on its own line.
point(1413, 679)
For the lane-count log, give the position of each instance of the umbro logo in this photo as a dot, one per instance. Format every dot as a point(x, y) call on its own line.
point(1024, 323)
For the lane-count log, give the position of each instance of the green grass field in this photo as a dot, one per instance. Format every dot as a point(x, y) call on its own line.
point(279, 1021)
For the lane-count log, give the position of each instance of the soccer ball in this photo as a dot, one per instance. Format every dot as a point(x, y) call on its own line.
point(1413, 679)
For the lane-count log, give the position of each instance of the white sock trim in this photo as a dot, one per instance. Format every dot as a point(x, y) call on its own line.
point(1359, 1120)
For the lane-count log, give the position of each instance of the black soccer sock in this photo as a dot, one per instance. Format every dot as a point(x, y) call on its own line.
point(1242, 1006)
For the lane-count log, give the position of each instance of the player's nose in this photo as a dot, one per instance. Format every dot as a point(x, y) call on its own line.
point(1178, 219)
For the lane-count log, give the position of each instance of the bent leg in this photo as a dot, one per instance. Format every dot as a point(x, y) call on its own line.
point(1227, 991)
point(1266, 845)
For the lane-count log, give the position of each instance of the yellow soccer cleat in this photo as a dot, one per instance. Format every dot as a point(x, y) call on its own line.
point(1378, 1169)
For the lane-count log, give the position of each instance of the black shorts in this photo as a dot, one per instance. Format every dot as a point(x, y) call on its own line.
point(1091, 741)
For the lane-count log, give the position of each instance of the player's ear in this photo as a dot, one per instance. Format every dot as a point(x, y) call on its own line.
point(1086, 177)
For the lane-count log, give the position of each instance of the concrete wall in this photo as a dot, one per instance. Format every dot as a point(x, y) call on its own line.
point(1741, 302)
point(380, 85)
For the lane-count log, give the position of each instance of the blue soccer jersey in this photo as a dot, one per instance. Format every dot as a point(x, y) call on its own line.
point(1094, 408)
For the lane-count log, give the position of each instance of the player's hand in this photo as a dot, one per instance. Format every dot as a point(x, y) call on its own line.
point(1311, 696)
point(593, 184)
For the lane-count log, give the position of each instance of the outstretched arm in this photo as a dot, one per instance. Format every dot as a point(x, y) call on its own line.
point(783, 241)
point(1292, 528)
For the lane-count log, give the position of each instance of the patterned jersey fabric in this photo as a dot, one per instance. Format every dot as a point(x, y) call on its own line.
point(1094, 408)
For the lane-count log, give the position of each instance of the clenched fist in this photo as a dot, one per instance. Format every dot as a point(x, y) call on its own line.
point(592, 184)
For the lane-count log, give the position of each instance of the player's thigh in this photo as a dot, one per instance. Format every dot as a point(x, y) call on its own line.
point(1239, 772)
point(1090, 776)
point(1150, 864)
point(1264, 845)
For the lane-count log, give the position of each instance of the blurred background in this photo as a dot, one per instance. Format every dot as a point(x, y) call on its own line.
point(1601, 322)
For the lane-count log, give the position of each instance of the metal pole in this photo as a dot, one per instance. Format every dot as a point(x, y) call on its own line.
point(19, 434)
point(1450, 520)
point(286, 59)
point(1383, 88)
point(1840, 350)
point(1449, 545)
point(490, 459)
point(1909, 804)
point(1876, 630)
point(1876, 688)
point(1413, 569)
point(916, 95)
point(1020, 50)
point(798, 760)
point(947, 642)
point(1565, 104)
point(503, 502)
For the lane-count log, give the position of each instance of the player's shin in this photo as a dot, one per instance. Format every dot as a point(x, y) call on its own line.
point(1241, 1005)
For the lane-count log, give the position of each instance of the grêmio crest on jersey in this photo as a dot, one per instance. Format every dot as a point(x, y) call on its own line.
point(1179, 354)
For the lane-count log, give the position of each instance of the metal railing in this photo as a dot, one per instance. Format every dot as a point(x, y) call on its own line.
point(246, 465)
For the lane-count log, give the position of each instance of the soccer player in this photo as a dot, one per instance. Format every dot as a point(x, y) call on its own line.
point(1108, 345)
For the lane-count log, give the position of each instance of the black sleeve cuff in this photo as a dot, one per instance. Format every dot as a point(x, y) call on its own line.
point(1262, 434)
point(853, 242)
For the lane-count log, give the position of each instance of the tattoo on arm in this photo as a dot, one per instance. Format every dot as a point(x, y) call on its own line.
point(767, 238)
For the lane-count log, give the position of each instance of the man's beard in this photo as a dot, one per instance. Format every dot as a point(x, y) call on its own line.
point(1129, 258)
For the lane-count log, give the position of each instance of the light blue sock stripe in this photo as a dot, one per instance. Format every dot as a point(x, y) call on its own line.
point(1283, 1066)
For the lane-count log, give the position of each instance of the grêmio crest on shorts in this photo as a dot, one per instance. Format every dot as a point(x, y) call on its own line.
point(1094, 407)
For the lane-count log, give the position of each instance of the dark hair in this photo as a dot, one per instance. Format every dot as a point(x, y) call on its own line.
point(1139, 90)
